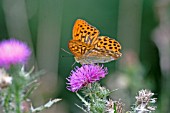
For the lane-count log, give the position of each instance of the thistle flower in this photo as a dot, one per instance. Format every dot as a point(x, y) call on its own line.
point(84, 75)
point(13, 52)
point(143, 101)
point(110, 106)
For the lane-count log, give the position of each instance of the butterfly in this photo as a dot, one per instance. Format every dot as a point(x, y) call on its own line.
point(89, 48)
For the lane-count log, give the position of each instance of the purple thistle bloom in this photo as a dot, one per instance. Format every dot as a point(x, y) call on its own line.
point(84, 75)
point(13, 52)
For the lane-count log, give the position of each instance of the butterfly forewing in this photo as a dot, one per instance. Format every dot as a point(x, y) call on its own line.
point(85, 32)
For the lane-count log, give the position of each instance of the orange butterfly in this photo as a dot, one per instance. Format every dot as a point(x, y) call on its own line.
point(89, 48)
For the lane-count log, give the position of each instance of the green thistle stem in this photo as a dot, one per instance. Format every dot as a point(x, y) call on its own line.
point(16, 94)
point(18, 101)
point(6, 101)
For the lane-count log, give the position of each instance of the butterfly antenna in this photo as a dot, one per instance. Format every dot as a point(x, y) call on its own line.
point(66, 51)
point(70, 54)
point(73, 64)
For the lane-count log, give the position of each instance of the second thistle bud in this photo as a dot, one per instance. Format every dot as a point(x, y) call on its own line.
point(143, 102)
point(5, 79)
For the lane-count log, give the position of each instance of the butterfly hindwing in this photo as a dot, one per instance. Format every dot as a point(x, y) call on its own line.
point(79, 48)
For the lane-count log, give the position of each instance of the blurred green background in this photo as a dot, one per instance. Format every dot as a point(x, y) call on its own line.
point(141, 26)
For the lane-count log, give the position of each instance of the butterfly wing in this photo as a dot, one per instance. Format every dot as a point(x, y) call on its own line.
point(96, 56)
point(85, 32)
point(78, 48)
point(109, 46)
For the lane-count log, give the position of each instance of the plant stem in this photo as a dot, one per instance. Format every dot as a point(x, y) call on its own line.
point(17, 98)
point(6, 102)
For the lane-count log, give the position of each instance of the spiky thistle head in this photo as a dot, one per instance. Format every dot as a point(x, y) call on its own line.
point(13, 52)
point(84, 75)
